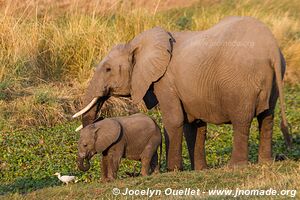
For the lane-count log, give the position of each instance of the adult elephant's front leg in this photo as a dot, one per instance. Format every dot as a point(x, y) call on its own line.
point(172, 117)
point(195, 135)
point(174, 157)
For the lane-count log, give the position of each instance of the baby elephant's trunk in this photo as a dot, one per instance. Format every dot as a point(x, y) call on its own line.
point(80, 164)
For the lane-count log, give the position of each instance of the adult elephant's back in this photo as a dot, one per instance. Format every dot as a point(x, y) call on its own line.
point(222, 72)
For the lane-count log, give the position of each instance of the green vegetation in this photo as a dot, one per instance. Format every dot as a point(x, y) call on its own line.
point(46, 59)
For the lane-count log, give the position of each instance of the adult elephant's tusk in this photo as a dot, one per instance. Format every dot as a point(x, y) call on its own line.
point(79, 128)
point(85, 109)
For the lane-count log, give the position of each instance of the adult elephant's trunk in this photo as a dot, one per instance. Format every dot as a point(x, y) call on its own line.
point(80, 164)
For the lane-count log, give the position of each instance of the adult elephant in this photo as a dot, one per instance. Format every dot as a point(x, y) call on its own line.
point(229, 73)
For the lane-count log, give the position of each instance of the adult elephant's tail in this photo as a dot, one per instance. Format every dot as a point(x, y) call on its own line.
point(279, 68)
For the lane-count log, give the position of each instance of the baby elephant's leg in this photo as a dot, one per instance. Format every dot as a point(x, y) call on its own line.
point(113, 166)
point(146, 159)
point(104, 167)
point(148, 155)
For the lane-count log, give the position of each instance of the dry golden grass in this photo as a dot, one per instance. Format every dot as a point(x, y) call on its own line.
point(48, 105)
point(89, 6)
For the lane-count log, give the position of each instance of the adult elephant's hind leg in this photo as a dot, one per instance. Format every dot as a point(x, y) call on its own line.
point(241, 116)
point(265, 124)
point(239, 154)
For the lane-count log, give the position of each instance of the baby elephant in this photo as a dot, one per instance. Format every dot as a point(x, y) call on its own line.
point(135, 137)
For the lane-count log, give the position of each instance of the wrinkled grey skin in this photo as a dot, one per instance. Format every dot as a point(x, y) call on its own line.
point(136, 137)
point(230, 73)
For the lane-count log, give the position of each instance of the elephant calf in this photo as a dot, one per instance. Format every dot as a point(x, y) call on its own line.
point(135, 137)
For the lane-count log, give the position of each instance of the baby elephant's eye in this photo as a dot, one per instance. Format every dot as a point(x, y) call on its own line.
point(108, 69)
point(85, 145)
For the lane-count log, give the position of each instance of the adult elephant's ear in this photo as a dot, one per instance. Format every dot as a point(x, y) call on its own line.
point(151, 52)
point(106, 132)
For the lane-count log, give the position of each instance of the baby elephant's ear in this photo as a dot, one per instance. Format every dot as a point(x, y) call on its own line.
point(107, 132)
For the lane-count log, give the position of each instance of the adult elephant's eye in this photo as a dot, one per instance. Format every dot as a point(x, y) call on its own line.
point(85, 145)
point(108, 69)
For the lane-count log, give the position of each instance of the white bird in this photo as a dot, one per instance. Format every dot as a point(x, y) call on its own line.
point(66, 179)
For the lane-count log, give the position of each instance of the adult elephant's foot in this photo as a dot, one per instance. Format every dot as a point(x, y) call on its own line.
point(238, 158)
point(105, 180)
point(201, 166)
point(265, 159)
point(109, 179)
point(236, 163)
point(264, 154)
point(175, 164)
point(178, 167)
